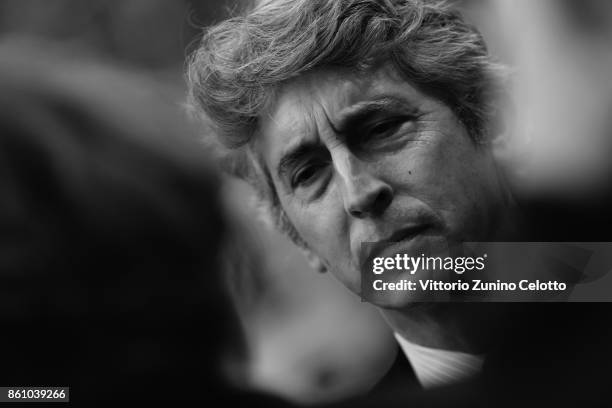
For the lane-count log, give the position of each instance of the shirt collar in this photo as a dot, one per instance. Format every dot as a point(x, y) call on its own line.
point(437, 367)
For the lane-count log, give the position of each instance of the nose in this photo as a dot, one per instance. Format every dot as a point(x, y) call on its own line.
point(365, 194)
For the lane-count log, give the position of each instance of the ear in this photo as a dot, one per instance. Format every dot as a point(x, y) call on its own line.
point(314, 261)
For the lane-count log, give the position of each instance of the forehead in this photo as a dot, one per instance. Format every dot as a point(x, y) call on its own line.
point(331, 90)
point(309, 108)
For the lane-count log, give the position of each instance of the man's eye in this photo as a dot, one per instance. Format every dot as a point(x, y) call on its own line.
point(305, 175)
point(383, 129)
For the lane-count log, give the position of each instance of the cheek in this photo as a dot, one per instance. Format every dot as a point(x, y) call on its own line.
point(464, 189)
point(449, 175)
point(320, 223)
point(324, 227)
point(424, 171)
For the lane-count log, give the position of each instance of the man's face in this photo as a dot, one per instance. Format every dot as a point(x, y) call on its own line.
point(370, 158)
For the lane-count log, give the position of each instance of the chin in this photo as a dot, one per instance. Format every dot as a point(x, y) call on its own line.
point(397, 301)
point(412, 307)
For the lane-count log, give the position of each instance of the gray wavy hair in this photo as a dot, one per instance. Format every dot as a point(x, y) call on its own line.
point(241, 63)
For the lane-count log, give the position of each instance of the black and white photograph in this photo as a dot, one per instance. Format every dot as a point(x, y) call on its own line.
point(319, 203)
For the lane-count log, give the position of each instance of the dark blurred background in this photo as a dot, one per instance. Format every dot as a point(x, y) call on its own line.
point(149, 34)
point(303, 329)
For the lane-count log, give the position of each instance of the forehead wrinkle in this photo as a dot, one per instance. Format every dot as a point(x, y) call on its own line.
point(298, 130)
point(348, 97)
point(331, 96)
point(304, 131)
point(306, 108)
point(270, 117)
point(287, 121)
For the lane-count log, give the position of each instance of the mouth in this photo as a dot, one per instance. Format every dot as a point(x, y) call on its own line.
point(405, 234)
point(402, 237)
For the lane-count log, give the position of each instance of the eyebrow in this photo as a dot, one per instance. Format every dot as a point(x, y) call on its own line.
point(348, 119)
point(352, 116)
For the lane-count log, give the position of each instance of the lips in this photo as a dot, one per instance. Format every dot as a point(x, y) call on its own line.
point(370, 250)
point(405, 234)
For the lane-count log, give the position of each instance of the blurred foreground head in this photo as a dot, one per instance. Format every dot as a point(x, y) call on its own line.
point(112, 225)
